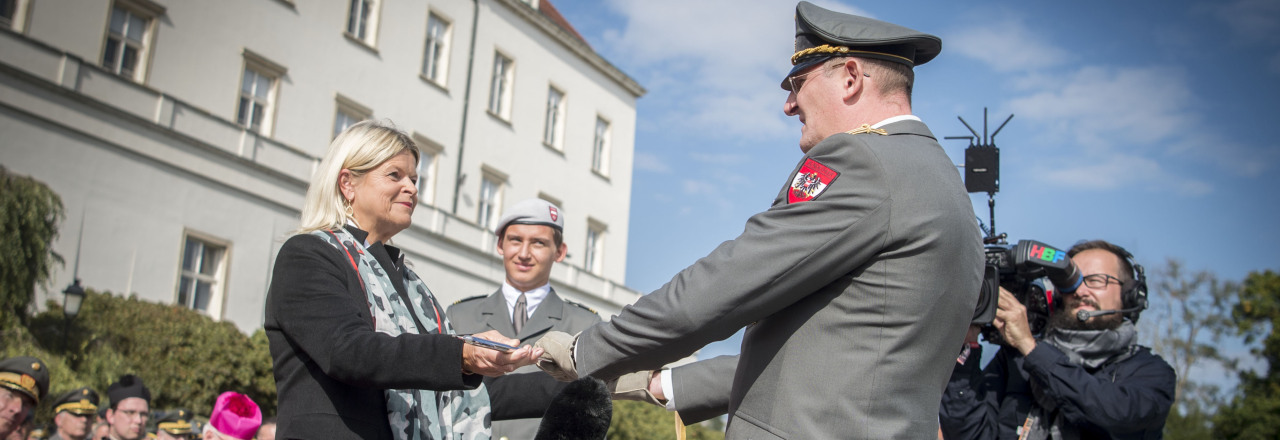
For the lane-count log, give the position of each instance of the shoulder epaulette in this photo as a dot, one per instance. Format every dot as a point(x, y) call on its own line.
point(584, 307)
point(469, 299)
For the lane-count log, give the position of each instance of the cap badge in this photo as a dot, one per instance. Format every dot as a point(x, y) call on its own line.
point(27, 382)
point(810, 181)
point(554, 214)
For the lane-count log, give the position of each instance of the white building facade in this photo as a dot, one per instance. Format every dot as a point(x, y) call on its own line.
point(181, 135)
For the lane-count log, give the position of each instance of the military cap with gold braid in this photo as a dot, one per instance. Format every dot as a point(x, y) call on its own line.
point(176, 422)
point(822, 34)
point(80, 401)
point(26, 375)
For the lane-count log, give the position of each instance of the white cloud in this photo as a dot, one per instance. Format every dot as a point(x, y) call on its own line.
point(1106, 172)
point(1101, 108)
point(650, 162)
point(1006, 45)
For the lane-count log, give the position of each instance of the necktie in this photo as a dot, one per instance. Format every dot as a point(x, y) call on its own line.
point(520, 315)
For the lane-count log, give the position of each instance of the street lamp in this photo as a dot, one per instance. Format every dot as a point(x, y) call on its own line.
point(72, 298)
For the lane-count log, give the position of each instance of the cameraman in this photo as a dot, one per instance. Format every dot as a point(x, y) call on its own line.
point(1085, 378)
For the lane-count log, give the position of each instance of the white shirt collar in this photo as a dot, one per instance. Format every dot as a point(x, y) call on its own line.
point(531, 298)
point(896, 119)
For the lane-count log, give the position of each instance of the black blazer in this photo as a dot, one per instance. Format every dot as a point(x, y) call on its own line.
point(331, 366)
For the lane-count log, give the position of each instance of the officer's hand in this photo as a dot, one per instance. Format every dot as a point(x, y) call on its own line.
point(1011, 320)
point(493, 363)
point(636, 386)
point(557, 355)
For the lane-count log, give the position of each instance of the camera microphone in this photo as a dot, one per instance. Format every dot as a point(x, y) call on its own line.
point(1084, 315)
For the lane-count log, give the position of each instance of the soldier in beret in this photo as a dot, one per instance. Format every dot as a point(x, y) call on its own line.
point(175, 425)
point(855, 288)
point(24, 380)
point(130, 408)
point(73, 413)
point(530, 241)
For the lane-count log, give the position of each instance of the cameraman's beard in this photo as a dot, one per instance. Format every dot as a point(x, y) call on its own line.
point(1065, 317)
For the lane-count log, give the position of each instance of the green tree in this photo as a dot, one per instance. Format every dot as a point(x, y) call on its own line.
point(1255, 414)
point(642, 421)
point(30, 214)
point(1185, 323)
point(185, 358)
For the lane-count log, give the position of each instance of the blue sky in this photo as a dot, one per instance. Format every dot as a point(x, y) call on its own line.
point(1148, 123)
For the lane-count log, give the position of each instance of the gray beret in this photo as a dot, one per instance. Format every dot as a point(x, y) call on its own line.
point(532, 212)
point(822, 34)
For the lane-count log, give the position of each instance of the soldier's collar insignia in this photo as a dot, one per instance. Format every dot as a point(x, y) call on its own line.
point(810, 181)
point(866, 128)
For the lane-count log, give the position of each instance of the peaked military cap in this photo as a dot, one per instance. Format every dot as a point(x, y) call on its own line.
point(26, 375)
point(532, 212)
point(80, 401)
point(176, 422)
point(822, 34)
point(128, 386)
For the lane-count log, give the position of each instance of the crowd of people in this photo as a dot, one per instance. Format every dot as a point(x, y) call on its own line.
point(126, 414)
point(855, 289)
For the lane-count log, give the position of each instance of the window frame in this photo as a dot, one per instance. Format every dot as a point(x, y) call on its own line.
point(441, 60)
point(593, 248)
point(344, 106)
point(601, 143)
point(427, 169)
point(501, 86)
point(145, 11)
point(488, 206)
point(553, 125)
point(214, 306)
point(17, 21)
point(265, 68)
point(370, 23)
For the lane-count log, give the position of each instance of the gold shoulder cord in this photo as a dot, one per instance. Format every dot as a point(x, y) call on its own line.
point(866, 128)
point(679, 426)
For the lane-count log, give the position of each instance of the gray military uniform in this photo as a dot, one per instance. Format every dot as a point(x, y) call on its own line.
point(856, 291)
point(483, 313)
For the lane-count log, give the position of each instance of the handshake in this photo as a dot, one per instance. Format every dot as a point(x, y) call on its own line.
point(557, 360)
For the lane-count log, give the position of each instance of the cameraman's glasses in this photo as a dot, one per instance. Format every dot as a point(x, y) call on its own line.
point(1101, 281)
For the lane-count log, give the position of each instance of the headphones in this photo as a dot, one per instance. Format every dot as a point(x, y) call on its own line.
point(1134, 294)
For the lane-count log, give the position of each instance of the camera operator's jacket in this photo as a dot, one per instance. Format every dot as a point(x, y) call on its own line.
point(1128, 399)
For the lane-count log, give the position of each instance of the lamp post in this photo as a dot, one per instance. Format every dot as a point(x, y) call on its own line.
point(73, 297)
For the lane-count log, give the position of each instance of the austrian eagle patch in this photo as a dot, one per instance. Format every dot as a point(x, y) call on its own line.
point(812, 179)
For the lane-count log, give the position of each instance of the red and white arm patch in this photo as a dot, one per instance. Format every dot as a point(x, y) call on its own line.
point(810, 181)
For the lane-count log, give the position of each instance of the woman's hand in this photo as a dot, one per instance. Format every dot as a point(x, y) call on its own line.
point(493, 363)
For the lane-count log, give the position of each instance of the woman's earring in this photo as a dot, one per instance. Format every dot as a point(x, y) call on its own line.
point(346, 206)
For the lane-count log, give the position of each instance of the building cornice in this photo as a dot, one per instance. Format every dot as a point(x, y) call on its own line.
point(578, 47)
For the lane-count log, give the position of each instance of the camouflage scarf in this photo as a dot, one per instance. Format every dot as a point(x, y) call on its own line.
point(414, 414)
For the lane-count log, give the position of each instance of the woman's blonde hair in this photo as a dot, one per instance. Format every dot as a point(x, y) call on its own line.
point(360, 148)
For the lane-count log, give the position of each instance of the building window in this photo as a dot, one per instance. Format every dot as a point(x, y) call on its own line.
point(348, 113)
point(13, 14)
point(500, 88)
point(593, 260)
point(435, 62)
point(362, 21)
point(553, 131)
point(490, 199)
point(427, 168)
point(600, 147)
point(258, 90)
point(128, 36)
point(200, 283)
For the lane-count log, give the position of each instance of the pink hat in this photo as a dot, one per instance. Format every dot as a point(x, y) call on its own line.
point(235, 415)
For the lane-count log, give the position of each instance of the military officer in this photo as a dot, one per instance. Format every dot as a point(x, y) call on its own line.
point(24, 380)
point(855, 287)
point(530, 241)
point(175, 425)
point(74, 413)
